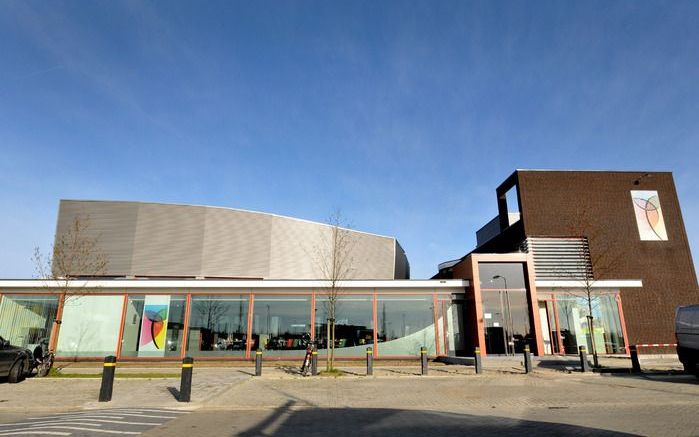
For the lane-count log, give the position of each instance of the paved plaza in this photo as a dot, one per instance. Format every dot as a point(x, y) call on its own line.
point(451, 400)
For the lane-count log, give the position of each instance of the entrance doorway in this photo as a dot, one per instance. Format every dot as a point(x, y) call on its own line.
point(452, 339)
point(545, 328)
point(497, 316)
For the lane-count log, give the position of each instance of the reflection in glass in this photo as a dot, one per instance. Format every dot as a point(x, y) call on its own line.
point(218, 325)
point(449, 326)
point(506, 319)
point(499, 276)
point(405, 323)
point(505, 307)
point(25, 320)
point(281, 324)
point(574, 327)
point(90, 326)
point(354, 324)
point(158, 332)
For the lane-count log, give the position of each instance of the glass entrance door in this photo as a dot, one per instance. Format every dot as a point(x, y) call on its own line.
point(545, 328)
point(506, 320)
point(498, 326)
point(450, 327)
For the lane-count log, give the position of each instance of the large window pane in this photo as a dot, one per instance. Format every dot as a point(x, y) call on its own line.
point(573, 310)
point(153, 326)
point(406, 323)
point(505, 307)
point(218, 325)
point(501, 275)
point(506, 320)
point(90, 326)
point(449, 325)
point(281, 325)
point(25, 320)
point(354, 324)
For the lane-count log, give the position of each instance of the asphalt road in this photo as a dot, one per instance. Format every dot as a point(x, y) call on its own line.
point(448, 402)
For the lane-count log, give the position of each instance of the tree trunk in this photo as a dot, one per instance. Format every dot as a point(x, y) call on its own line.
point(327, 344)
point(590, 322)
point(55, 329)
point(332, 350)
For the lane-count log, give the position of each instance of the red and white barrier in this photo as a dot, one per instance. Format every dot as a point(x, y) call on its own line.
point(656, 345)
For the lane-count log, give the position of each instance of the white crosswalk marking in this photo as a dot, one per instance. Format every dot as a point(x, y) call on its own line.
point(25, 432)
point(72, 422)
point(99, 416)
point(77, 428)
point(147, 415)
point(153, 411)
point(123, 421)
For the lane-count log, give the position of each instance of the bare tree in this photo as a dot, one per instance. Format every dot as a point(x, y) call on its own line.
point(598, 264)
point(335, 262)
point(211, 312)
point(75, 255)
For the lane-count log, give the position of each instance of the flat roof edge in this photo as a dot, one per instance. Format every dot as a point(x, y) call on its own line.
point(35, 284)
point(613, 283)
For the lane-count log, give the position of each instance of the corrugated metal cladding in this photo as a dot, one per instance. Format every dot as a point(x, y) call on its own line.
point(560, 258)
point(150, 239)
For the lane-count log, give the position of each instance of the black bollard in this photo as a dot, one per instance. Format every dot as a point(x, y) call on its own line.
point(314, 361)
point(478, 361)
point(186, 379)
point(107, 378)
point(258, 362)
point(369, 361)
point(527, 359)
point(423, 360)
point(584, 364)
point(635, 363)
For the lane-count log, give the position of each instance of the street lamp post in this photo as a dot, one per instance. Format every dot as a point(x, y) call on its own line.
point(508, 321)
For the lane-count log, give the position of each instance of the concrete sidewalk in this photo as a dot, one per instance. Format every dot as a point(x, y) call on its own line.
point(65, 394)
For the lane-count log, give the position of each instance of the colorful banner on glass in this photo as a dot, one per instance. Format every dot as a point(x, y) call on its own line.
point(649, 215)
point(154, 325)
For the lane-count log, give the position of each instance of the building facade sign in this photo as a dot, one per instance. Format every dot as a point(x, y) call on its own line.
point(154, 324)
point(649, 215)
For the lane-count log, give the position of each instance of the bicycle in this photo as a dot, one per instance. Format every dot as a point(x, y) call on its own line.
point(307, 359)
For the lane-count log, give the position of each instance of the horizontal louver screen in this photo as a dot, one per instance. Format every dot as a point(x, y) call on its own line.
point(560, 258)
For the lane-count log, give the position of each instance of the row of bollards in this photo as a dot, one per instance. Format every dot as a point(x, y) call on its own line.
point(109, 371)
point(369, 362)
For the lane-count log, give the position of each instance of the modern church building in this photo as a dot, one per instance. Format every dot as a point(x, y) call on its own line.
point(218, 283)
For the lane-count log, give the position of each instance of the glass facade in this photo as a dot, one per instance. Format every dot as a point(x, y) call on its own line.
point(574, 327)
point(450, 321)
point(174, 325)
point(25, 320)
point(218, 325)
point(405, 323)
point(153, 326)
point(505, 308)
point(354, 324)
point(90, 326)
point(281, 325)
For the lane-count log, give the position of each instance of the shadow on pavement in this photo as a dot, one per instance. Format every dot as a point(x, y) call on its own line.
point(659, 376)
point(174, 392)
point(390, 422)
point(290, 370)
point(562, 365)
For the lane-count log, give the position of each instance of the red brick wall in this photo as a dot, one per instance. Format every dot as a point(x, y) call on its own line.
point(551, 203)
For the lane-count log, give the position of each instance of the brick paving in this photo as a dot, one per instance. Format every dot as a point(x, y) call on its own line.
point(452, 400)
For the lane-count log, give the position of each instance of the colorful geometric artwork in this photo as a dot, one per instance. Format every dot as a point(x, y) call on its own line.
point(649, 215)
point(154, 324)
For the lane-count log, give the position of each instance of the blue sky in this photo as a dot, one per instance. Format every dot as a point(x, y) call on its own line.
point(406, 115)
